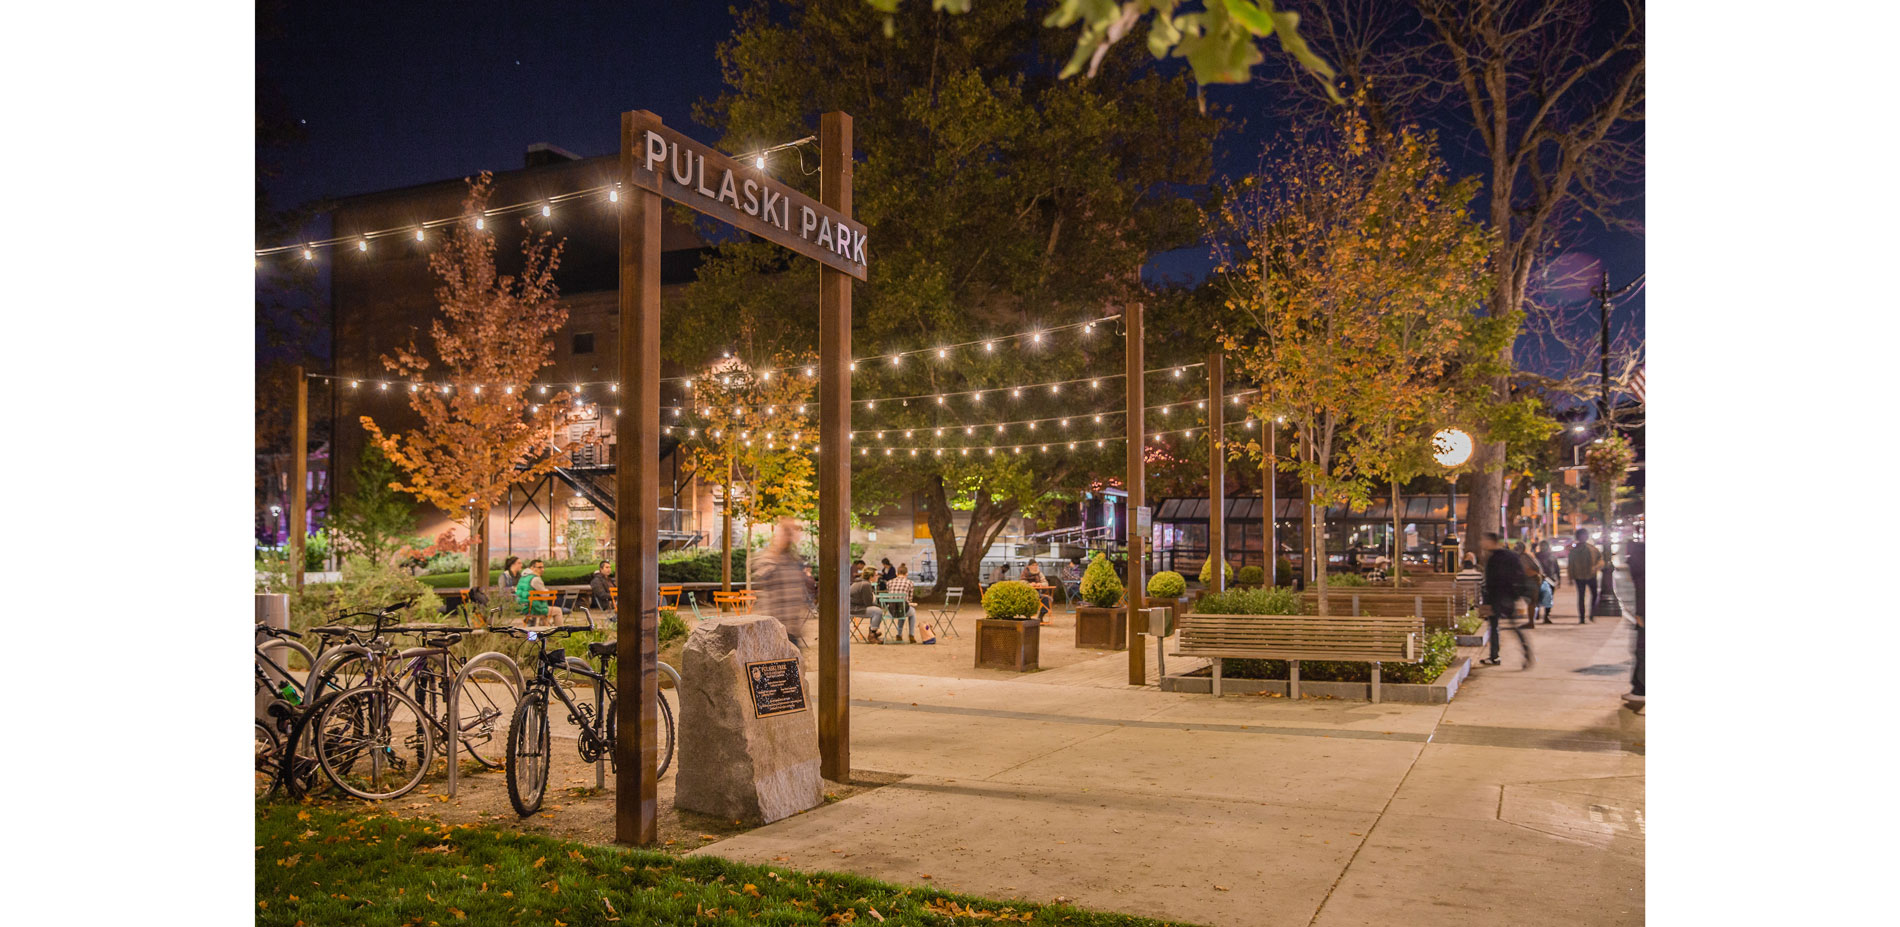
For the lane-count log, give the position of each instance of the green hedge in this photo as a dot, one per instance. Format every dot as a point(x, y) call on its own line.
point(1269, 600)
point(1100, 586)
point(697, 567)
point(1167, 584)
point(1440, 647)
point(1011, 598)
point(1251, 576)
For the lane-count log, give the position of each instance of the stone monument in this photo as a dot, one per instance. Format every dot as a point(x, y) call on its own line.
point(748, 746)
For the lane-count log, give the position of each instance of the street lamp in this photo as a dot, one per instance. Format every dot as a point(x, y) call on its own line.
point(1451, 447)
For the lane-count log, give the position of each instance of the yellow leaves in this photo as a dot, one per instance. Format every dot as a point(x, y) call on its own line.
point(752, 890)
point(303, 815)
point(290, 860)
point(458, 914)
point(538, 863)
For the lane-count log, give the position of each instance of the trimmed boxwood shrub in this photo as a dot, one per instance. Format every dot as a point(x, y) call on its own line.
point(1346, 579)
point(1011, 598)
point(1207, 572)
point(1100, 586)
point(1270, 600)
point(1250, 576)
point(1440, 647)
point(1283, 572)
point(1167, 584)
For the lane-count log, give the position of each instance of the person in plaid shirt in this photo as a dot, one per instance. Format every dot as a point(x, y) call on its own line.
point(901, 585)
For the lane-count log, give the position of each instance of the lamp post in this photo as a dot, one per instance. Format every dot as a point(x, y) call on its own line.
point(1451, 447)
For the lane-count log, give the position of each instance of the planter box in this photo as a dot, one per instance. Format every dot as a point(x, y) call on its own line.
point(1005, 643)
point(1479, 639)
point(1101, 628)
point(1438, 692)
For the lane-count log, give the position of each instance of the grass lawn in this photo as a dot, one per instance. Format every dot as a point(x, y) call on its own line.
point(317, 866)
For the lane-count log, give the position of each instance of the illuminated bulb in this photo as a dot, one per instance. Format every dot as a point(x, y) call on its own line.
point(1065, 423)
point(689, 382)
point(795, 435)
point(939, 432)
point(1099, 444)
point(759, 162)
point(1036, 338)
point(480, 223)
point(509, 390)
point(906, 434)
point(547, 210)
point(1177, 373)
point(808, 372)
point(913, 452)
point(870, 404)
point(864, 452)
point(544, 391)
point(1055, 387)
point(352, 384)
point(1095, 384)
point(614, 388)
point(1250, 424)
point(880, 436)
point(412, 387)
point(383, 386)
point(1016, 450)
point(418, 234)
point(1017, 392)
point(943, 352)
point(1098, 419)
point(362, 245)
point(1164, 410)
point(966, 452)
point(887, 452)
point(969, 429)
point(1281, 419)
point(1188, 433)
point(667, 430)
point(977, 396)
point(1032, 426)
point(1236, 400)
point(478, 391)
point(1072, 445)
point(989, 345)
point(1088, 329)
point(306, 254)
point(534, 408)
point(991, 451)
point(895, 358)
point(1042, 449)
point(1202, 404)
point(941, 400)
point(801, 410)
point(999, 429)
point(613, 196)
point(939, 452)
point(854, 436)
point(692, 432)
point(770, 409)
point(766, 375)
point(854, 366)
point(579, 386)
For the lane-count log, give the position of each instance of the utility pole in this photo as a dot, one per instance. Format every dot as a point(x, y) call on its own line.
point(1606, 603)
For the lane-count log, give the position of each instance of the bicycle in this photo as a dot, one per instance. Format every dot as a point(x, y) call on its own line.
point(530, 736)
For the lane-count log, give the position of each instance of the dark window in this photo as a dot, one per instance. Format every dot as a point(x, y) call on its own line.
point(584, 343)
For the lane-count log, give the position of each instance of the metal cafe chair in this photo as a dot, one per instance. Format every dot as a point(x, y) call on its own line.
point(945, 615)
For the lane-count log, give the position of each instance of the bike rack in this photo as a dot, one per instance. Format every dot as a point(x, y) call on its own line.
point(455, 716)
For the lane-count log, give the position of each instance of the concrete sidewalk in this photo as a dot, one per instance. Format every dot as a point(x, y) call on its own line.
point(1520, 802)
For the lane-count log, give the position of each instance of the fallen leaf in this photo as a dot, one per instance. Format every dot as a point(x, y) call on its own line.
point(880, 917)
point(458, 914)
point(752, 890)
point(1220, 888)
point(538, 862)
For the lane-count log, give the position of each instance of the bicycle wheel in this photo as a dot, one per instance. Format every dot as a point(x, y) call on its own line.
point(667, 732)
point(269, 754)
point(486, 692)
point(529, 753)
point(290, 657)
point(339, 668)
point(374, 742)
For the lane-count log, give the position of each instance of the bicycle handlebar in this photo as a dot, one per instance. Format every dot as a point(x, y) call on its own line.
point(279, 633)
point(524, 633)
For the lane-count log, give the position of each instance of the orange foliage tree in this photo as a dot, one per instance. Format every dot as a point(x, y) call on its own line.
point(485, 428)
point(1353, 268)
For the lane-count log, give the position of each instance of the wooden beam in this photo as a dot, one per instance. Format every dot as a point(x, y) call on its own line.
point(1217, 469)
point(299, 475)
point(637, 493)
point(834, 466)
point(1137, 594)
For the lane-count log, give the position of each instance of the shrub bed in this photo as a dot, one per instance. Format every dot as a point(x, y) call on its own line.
point(696, 567)
point(1440, 647)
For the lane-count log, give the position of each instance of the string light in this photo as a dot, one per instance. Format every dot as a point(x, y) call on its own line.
point(362, 244)
point(547, 210)
point(613, 196)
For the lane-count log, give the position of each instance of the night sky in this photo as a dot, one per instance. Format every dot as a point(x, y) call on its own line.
point(389, 95)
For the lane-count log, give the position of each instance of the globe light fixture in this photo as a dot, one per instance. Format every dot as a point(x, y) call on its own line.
point(1451, 447)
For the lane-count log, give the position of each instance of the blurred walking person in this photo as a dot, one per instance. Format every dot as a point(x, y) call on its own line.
point(1585, 561)
point(1504, 582)
point(777, 577)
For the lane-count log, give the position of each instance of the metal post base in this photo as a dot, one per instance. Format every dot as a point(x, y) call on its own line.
point(1607, 602)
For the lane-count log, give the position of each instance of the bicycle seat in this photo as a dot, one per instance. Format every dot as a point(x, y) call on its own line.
point(604, 648)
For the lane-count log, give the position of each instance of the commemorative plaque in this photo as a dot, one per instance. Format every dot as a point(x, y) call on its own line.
point(777, 689)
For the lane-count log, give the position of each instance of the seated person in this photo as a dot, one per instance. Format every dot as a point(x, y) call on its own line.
point(1032, 574)
point(535, 611)
point(1072, 580)
point(902, 612)
point(600, 586)
point(864, 602)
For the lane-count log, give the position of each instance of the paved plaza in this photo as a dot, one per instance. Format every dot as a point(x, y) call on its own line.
point(1520, 802)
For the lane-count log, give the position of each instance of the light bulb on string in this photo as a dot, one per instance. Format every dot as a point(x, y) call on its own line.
point(1055, 388)
point(809, 373)
point(352, 384)
point(759, 162)
point(307, 254)
point(1016, 393)
point(942, 401)
point(362, 244)
point(854, 366)
point(942, 353)
point(419, 235)
point(989, 346)
point(480, 223)
point(613, 196)
point(547, 210)
point(383, 386)
point(1095, 384)
point(1178, 371)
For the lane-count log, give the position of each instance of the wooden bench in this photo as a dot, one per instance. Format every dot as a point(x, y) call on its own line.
point(1366, 638)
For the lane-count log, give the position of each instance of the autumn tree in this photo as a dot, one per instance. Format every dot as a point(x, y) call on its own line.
point(1550, 95)
point(1003, 201)
point(483, 430)
point(753, 427)
point(1352, 264)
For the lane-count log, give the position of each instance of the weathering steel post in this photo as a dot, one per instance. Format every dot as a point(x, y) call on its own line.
point(834, 466)
point(1217, 470)
point(1137, 492)
point(299, 474)
point(1269, 538)
point(637, 489)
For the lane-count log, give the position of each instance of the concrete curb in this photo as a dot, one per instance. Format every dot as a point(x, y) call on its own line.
point(1438, 692)
point(1479, 639)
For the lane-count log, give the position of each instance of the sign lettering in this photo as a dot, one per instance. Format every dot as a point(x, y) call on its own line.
point(696, 176)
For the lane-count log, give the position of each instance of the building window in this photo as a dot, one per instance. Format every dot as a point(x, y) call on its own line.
point(584, 343)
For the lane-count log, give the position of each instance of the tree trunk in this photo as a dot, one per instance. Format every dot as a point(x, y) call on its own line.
point(478, 565)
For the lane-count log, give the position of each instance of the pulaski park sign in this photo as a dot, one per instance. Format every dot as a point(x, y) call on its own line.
point(694, 175)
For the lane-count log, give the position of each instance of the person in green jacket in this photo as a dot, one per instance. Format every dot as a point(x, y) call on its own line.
point(531, 582)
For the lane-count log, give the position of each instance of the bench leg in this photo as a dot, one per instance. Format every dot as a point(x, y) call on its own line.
point(1293, 679)
point(1217, 677)
point(1375, 683)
